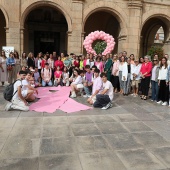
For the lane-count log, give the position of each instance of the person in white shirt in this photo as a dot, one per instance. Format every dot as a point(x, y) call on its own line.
point(77, 84)
point(135, 76)
point(104, 99)
point(163, 86)
point(168, 59)
point(18, 102)
point(97, 86)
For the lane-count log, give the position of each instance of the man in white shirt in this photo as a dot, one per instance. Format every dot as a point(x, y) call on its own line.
point(18, 102)
point(168, 59)
point(103, 100)
point(46, 74)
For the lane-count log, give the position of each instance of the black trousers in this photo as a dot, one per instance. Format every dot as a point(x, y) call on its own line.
point(145, 85)
point(163, 91)
point(101, 100)
point(115, 82)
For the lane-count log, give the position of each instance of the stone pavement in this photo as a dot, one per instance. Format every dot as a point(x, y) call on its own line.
point(133, 135)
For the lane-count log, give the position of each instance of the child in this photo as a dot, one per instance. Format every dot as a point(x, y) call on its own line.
point(65, 77)
point(58, 77)
point(37, 78)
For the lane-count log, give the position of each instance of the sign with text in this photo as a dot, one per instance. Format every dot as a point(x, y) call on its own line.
point(7, 50)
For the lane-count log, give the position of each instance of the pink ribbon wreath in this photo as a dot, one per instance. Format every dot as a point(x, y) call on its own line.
point(99, 35)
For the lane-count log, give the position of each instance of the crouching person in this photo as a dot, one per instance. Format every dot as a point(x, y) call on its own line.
point(97, 87)
point(18, 102)
point(104, 99)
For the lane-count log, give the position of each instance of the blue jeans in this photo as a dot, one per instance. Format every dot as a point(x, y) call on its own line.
point(155, 90)
point(87, 90)
point(101, 100)
point(126, 85)
point(46, 84)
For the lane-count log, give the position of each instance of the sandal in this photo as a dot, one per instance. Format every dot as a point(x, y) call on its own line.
point(145, 98)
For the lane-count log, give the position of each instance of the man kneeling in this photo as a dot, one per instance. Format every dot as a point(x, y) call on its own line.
point(97, 87)
point(103, 100)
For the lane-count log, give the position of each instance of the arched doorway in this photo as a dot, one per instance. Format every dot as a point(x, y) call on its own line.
point(103, 21)
point(2, 30)
point(154, 32)
point(45, 31)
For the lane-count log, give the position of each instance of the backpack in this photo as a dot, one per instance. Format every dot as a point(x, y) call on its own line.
point(9, 91)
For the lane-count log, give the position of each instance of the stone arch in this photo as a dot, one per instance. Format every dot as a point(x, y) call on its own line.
point(5, 15)
point(60, 6)
point(111, 7)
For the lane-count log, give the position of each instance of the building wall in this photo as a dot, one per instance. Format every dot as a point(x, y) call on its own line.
point(131, 15)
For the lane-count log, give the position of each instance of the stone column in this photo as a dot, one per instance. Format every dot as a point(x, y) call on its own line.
point(135, 13)
point(122, 43)
point(75, 39)
point(166, 47)
point(21, 40)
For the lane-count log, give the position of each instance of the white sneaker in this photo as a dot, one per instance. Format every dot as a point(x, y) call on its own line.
point(8, 106)
point(85, 96)
point(73, 95)
point(152, 100)
point(132, 94)
point(107, 106)
point(164, 104)
point(160, 102)
point(111, 105)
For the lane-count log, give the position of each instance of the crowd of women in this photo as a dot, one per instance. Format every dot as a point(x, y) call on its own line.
point(128, 74)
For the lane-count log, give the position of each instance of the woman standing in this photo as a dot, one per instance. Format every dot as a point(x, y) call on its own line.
point(154, 80)
point(44, 61)
point(99, 64)
point(145, 73)
point(76, 62)
point(31, 61)
point(3, 68)
point(24, 60)
point(108, 67)
point(115, 74)
point(59, 63)
point(91, 60)
point(163, 86)
point(17, 65)
point(132, 57)
point(51, 65)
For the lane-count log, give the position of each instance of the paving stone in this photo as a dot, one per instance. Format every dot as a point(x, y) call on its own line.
point(79, 120)
point(58, 146)
point(29, 121)
point(10, 114)
point(100, 161)
point(111, 128)
point(146, 116)
point(85, 130)
point(2, 142)
point(4, 132)
point(102, 119)
point(55, 120)
point(31, 114)
point(30, 132)
point(56, 131)
point(56, 113)
point(91, 144)
point(136, 126)
point(163, 116)
point(19, 164)
point(126, 117)
point(20, 148)
point(7, 122)
point(151, 139)
point(60, 162)
point(122, 141)
point(163, 154)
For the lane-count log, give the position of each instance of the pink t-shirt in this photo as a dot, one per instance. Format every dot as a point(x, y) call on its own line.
point(97, 84)
point(58, 74)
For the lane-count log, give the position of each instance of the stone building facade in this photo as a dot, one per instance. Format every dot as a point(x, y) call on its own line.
point(61, 25)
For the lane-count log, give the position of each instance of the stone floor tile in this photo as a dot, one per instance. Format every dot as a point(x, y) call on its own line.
point(102, 119)
point(60, 162)
point(2, 143)
point(55, 120)
point(29, 121)
point(51, 146)
point(7, 122)
point(20, 148)
point(163, 116)
point(56, 113)
point(30, 132)
point(122, 141)
point(11, 114)
point(91, 144)
point(126, 118)
point(85, 130)
point(146, 116)
point(31, 114)
point(56, 131)
point(111, 128)
point(139, 160)
point(101, 161)
point(4, 132)
point(136, 127)
point(19, 164)
point(79, 120)
point(151, 139)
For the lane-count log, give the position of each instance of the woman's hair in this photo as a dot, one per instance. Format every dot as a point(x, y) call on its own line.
point(166, 64)
point(121, 58)
point(4, 53)
point(30, 55)
point(98, 57)
point(16, 55)
point(23, 55)
point(66, 69)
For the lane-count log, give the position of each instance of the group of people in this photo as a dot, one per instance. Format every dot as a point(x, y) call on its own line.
point(94, 77)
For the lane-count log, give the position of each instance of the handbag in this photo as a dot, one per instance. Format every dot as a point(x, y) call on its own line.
point(9, 68)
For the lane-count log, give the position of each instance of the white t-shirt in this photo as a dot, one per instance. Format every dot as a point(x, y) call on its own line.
point(16, 85)
point(78, 80)
point(109, 87)
point(25, 83)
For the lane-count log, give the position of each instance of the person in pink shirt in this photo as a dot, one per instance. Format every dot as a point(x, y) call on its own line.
point(99, 64)
point(59, 63)
point(86, 61)
point(97, 86)
point(145, 73)
point(58, 77)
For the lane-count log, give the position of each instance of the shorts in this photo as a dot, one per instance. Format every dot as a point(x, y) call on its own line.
point(135, 83)
point(80, 86)
point(24, 93)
